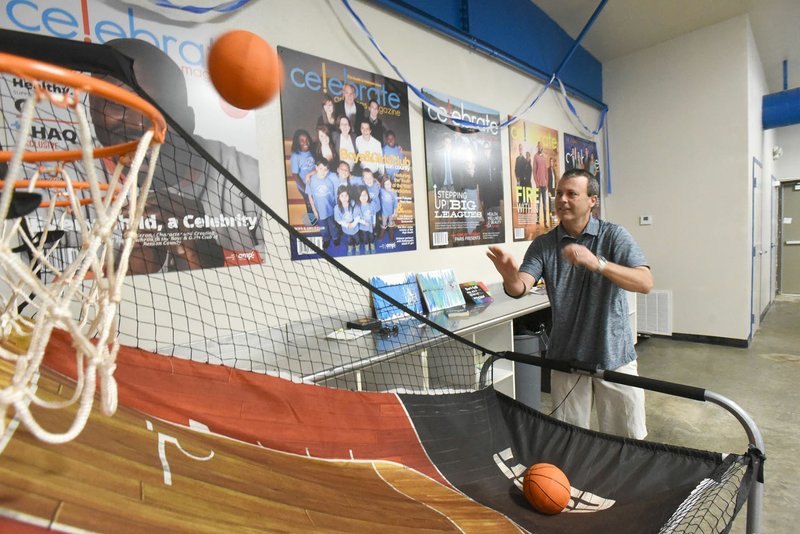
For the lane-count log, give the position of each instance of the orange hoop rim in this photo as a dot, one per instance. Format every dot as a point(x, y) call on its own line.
point(34, 70)
point(59, 184)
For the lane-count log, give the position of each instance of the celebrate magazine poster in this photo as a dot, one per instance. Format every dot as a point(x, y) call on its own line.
point(580, 153)
point(346, 139)
point(535, 157)
point(465, 173)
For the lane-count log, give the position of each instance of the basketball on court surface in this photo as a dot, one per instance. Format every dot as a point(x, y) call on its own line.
point(546, 487)
point(245, 69)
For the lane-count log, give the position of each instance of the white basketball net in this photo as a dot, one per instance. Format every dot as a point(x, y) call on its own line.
point(81, 296)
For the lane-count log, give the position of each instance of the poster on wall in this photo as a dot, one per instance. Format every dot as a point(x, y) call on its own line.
point(184, 226)
point(346, 138)
point(465, 184)
point(581, 153)
point(535, 170)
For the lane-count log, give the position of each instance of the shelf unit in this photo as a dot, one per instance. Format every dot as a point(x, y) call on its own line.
point(492, 328)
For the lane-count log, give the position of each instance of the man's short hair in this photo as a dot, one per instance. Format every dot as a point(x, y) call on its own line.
point(593, 185)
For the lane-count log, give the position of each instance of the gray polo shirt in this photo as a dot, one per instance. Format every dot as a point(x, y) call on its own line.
point(590, 313)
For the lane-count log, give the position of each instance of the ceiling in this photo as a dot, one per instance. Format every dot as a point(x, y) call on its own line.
point(625, 26)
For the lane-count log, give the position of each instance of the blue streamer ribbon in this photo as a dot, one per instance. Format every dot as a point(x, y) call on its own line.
point(224, 7)
point(422, 96)
point(553, 79)
point(574, 112)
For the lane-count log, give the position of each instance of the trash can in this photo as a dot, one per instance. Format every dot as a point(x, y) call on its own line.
point(528, 378)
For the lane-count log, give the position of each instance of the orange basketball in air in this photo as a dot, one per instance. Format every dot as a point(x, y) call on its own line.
point(245, 70)
point(546, 487)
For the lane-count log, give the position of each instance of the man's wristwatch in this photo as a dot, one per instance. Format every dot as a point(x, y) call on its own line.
point(601, 264)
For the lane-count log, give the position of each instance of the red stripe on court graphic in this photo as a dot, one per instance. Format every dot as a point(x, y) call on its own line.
point(278, 414)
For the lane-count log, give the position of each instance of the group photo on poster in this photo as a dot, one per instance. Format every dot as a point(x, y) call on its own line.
point(349, 186)
point(194, 218)
point(535, 170)
point(465, 173)
point(581, 153)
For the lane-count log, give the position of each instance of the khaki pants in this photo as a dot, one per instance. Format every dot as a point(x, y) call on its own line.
point(620, 409)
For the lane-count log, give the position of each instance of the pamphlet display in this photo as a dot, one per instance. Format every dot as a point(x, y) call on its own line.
point(440, 290)
point(476, 293)
point(401, 287)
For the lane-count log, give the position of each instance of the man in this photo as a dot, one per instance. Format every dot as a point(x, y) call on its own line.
point(519, 167)
point(443, 167)
point(540, 179)
point(590, 312)
point(370, 150)
point(552, 179)
point(348, 107)
point(491, 175)
point(375, 122)
point(470, 184)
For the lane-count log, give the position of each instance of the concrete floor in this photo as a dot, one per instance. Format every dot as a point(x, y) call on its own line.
point(763, 379)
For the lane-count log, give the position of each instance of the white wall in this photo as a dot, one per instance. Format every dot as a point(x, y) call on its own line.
point(427, 60)
point(682, 147)
point(760, 147)
point(788, 138)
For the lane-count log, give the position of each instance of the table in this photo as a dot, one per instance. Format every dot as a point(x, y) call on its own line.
point(306, 352)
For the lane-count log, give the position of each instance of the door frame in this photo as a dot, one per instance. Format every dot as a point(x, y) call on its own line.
point(783, 183)
point(754, 190)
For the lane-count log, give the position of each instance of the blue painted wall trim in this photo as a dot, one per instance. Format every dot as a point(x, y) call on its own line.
point(520, 33)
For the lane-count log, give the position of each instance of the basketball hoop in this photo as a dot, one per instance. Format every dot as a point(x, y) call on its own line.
point(42, 289)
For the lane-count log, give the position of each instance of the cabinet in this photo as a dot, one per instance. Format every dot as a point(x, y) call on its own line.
point(498, 338)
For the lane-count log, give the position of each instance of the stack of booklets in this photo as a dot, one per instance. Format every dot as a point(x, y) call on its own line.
point(476, 292)
point(440, 290)
point(403, 288)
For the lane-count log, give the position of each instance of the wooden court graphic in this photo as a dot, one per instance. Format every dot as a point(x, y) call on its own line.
point(135, 473)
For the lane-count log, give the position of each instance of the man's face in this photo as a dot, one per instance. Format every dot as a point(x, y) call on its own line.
point(373, 110)
point(115, 123)
point(322, 170)
point(349, 94)
point(469, 166)
point(573, 202)
point(366, 130)
point(539, 148)
point(390, 140)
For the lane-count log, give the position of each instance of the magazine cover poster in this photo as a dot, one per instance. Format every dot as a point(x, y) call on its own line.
point(346, 138)
point(535, 170)
point(188, 223)
point(465, 183)
point(581, 153)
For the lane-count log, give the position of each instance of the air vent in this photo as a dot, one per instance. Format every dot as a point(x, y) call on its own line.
point(654, 312)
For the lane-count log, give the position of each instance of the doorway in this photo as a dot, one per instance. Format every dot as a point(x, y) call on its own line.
point(789, 266)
